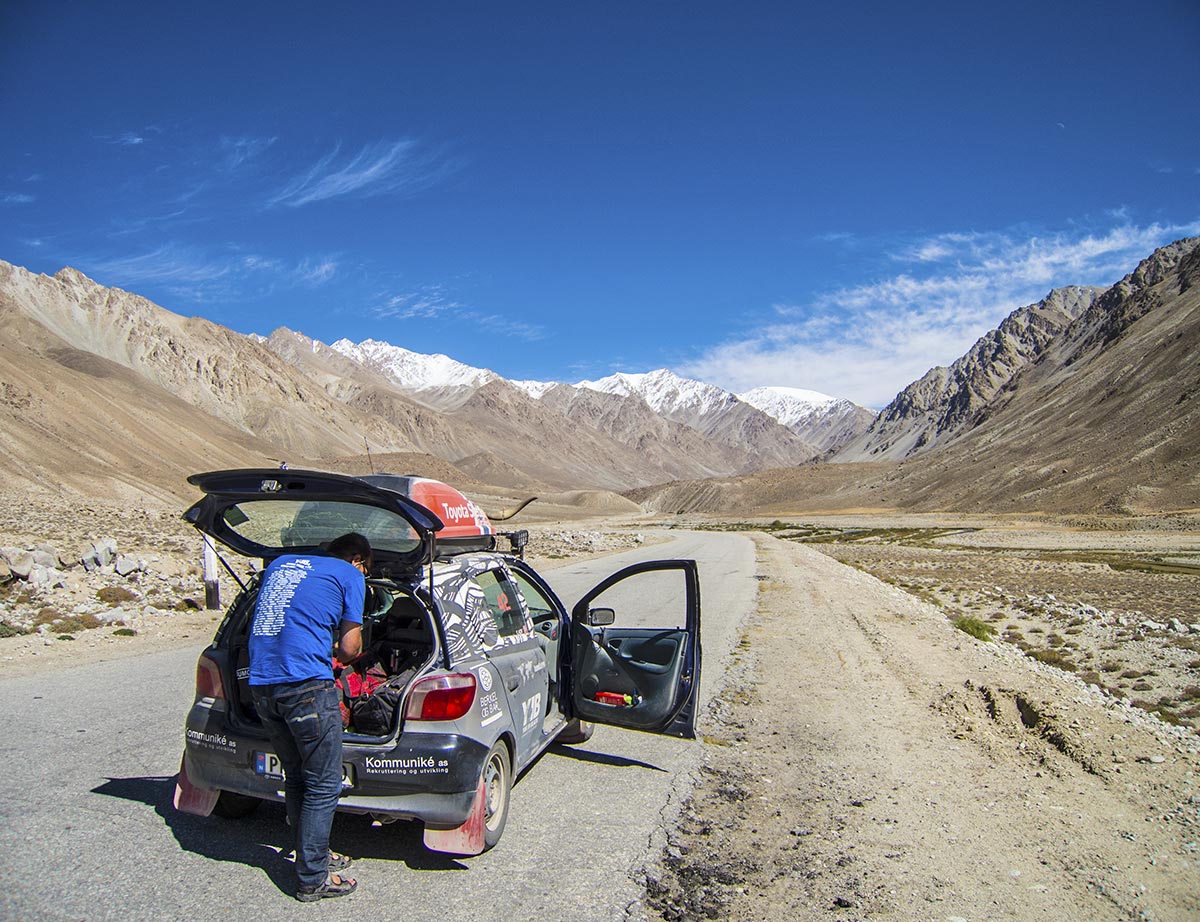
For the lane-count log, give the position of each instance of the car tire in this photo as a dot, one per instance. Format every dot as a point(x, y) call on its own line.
point(575, 731)
point(497, 786)
point(233, 806)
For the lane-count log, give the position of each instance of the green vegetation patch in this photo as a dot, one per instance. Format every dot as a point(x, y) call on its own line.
point(980, 630)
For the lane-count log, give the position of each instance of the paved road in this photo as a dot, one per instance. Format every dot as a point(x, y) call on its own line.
point(87, 830)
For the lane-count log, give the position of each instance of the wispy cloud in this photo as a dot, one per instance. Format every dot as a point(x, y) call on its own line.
point(15, 198)
point(868, 341)
point(198, 275)
point(432, 302)
point(316, 272)
point(237, 152)
point(385, 168)
point(125, 139)
point(425, 303)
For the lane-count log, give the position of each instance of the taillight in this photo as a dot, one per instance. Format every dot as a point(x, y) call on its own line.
point(442, 697)
point(208, 678)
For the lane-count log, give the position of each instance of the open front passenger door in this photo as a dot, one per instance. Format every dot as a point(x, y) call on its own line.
point(644, 674)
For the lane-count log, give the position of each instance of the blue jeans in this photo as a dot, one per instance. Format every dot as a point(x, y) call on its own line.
point(304, 723)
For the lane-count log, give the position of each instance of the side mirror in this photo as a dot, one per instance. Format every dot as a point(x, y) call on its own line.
point(600, 617)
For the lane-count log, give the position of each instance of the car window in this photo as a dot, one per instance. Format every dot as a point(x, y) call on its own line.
point(535, 600)
point(287, 523)
point(503, 601)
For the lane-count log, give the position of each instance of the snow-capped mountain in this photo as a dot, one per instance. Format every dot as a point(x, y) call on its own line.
point(824, 421)
point(414, 370)
point(680, 399)
point(715, 412)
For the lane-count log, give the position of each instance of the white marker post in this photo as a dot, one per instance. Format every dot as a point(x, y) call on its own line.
point(212, 585)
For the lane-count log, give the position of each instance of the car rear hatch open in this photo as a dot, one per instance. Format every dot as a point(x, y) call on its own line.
point(267, 512)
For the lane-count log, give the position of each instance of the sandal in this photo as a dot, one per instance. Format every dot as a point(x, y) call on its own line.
point(339, 862)
point(335, 885)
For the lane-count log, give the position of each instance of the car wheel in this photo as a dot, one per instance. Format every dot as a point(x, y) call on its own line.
point(235, 806)
point(497, 783)
point(575, 731)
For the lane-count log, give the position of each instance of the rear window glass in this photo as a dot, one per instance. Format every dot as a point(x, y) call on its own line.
point(287, 523)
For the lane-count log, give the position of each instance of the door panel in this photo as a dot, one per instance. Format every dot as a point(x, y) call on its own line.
point(644, 677)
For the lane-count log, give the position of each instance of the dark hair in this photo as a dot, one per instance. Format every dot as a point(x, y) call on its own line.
point(349, 546)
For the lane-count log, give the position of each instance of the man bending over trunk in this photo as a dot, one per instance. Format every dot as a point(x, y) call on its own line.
point(304, 598)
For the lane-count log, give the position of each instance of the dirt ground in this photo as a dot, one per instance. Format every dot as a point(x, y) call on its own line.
point(867, 760)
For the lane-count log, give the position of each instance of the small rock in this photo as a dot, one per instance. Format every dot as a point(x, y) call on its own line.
point(842, 903)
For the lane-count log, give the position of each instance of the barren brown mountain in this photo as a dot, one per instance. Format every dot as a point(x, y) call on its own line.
point(1105, 418)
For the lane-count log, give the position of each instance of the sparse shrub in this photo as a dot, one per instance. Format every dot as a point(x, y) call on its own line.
point(1131, 674)
point(1191, 693)
point(1055, 640)
point(65, 637)
point(1164, 714)
point(115, 595)
point(11, 630)
point(46, 615)
point(1110, 666)
point(125, 632)
point(1142, 686)
point(75, 623)
point(1053, 658)
point(980, 630)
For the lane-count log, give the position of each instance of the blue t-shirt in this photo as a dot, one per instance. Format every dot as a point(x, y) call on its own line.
point(300, 605)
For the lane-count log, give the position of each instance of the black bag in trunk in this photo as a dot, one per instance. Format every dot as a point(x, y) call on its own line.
point(374, 714)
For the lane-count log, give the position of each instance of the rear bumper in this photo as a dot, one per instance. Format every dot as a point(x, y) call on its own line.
point(430, 777)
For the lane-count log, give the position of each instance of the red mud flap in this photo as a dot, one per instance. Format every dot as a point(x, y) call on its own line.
point(192, 799)
point(466, 839)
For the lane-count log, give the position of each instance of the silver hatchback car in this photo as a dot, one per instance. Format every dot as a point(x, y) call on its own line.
point(476, 666)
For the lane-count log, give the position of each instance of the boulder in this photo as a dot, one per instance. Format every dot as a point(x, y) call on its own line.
point(125, 565)
point(5, 571)
point(45, 556)
point(46, 577)
point(100, 554)
point(21, 564)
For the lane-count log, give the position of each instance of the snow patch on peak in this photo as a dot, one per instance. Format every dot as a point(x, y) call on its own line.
point(789, 405)
point(414, 370)
point(664, 391)
point(535, 389)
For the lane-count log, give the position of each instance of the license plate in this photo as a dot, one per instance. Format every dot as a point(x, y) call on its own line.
point(268, 765)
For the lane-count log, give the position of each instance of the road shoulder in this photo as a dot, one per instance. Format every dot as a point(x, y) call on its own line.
point(868, 759)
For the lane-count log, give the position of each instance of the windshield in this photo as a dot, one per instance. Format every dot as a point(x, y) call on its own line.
point(275, 522)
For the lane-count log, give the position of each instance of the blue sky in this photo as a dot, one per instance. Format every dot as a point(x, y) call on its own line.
point(833, 197)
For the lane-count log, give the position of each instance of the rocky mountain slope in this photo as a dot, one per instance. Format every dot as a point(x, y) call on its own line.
point(946, 402)
point(715, 413)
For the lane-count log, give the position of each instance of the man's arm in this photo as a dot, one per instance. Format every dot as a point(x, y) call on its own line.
point(350, 642)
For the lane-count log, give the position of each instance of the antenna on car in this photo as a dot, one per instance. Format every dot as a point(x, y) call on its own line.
point(369, 461)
